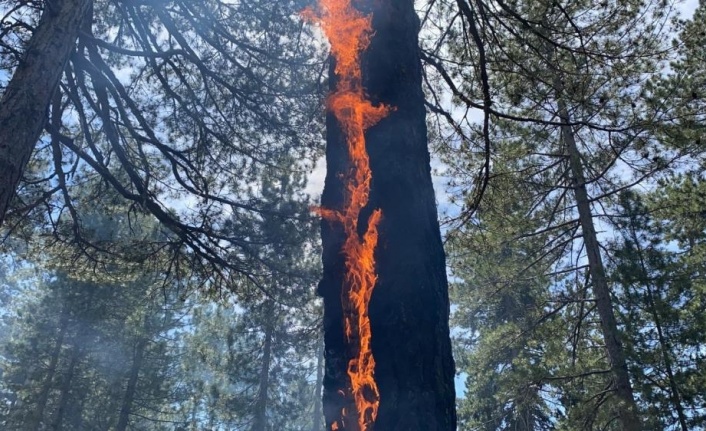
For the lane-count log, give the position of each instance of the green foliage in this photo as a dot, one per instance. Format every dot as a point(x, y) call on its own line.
point(658, 289)
point(223, 363)
point(75, 345)
point(170, 111)
point(678, 97)
point(144, 344)
point(529, 338)
point(72, 347)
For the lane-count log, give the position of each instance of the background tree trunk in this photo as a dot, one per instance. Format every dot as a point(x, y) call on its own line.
point(131, 388)
point(627, 410)
point(65, 390)
point(23, 109)
point(260, 422)
point(409, 309)
point(51, 371)
point(318, 413)
point(664, 345)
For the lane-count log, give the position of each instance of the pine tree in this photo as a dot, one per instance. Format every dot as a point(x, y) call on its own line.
point(81, 351)
point(158, 104)
point(27, 96)
point(527, 335)
point(251, 363)
point(561, 81)
point(654, 288)
point(498, 314)
point(678, 96)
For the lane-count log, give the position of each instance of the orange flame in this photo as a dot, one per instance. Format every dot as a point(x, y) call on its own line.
point(349, 33)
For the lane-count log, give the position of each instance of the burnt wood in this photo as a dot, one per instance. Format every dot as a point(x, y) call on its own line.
point(409, 310)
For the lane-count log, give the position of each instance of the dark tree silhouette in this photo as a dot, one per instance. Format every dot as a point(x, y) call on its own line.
point(409, 308)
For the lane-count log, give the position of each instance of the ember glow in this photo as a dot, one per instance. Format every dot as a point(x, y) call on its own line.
point(349, 33)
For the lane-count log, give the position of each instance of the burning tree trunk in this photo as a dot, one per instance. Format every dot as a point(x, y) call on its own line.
point(388, 350)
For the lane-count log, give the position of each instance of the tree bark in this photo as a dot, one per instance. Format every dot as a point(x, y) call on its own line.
point(627, 408)
point(23, 109)
point(131, 389)
point(409, 309)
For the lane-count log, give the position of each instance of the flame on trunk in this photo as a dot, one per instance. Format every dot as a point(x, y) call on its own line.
point(349, 33)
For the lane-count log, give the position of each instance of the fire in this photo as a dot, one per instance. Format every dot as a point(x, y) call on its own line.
point(349, 33)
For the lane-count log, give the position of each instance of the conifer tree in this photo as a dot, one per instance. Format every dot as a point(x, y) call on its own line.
point(655, 288)
point(174, 109)
point(560, 80)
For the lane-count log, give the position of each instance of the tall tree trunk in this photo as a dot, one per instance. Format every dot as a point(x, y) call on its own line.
point(627, 408)
point(260, 420)
point(65, 390)
point(23, 109)
point(131, 389)
point(79, 419)
point(409, 309)
point(318, 413)
point(51, 371)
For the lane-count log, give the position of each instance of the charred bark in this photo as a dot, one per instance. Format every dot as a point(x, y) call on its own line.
point(409, 309)
point(23, 109)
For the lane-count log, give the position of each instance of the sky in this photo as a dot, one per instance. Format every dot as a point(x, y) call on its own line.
point(688, 7)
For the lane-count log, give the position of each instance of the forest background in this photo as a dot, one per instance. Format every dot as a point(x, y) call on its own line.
point(161, 261)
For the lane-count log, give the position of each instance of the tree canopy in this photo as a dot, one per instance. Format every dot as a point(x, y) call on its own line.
point(160, 253)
